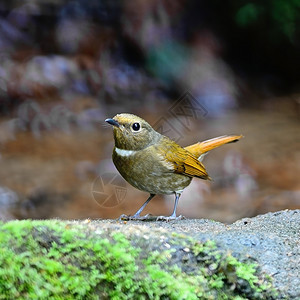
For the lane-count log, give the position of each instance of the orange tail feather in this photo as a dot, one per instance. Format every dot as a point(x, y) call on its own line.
point(202, 147)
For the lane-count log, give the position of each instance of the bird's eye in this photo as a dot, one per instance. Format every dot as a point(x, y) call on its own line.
point(136, 126)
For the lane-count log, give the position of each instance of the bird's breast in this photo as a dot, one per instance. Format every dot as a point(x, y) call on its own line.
point(148, 171)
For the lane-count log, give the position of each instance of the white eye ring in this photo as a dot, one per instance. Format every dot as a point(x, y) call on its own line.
point(136, 126)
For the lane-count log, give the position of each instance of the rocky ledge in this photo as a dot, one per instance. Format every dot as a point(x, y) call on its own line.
point(253, 258)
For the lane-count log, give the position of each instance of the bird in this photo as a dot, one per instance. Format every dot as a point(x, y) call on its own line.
point(153, 163)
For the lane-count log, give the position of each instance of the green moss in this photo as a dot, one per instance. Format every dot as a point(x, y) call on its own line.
point(61, 260)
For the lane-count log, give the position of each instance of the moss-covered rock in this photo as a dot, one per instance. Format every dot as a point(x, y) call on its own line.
point(84, 260)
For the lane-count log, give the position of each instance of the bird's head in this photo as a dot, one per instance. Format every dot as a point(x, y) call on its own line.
point(132, 132)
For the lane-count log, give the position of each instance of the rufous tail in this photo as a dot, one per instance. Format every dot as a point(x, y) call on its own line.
point(201, 148)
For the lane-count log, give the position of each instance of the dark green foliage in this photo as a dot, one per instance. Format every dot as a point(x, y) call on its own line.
point(61, 260)
point(280, 16)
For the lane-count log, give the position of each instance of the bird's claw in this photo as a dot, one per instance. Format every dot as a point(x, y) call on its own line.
point(124, 217)
point(170, 218)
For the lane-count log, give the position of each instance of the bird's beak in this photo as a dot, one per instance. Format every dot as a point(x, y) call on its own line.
point(112, 122)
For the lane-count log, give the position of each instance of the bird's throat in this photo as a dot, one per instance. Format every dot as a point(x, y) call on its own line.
point(124, 152)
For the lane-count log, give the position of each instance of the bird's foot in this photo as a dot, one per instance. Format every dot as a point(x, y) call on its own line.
point(134, 218)
point(170, 218)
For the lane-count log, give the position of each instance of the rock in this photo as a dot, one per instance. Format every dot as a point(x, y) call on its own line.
point(109, 258)
point(272, 239)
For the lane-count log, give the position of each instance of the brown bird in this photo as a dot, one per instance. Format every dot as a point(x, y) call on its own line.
point(153, 163)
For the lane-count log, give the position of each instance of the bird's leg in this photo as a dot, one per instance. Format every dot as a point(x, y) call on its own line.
point(137, 215)
point(173, 216)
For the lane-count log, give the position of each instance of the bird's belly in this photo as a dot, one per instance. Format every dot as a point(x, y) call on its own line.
point(167, 184)
point(150, 177)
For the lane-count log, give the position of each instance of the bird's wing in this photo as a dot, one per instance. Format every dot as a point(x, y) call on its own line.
point(182, 161)
point(200, 148)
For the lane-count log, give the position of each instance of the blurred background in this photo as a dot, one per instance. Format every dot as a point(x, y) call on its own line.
point(193, 69)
